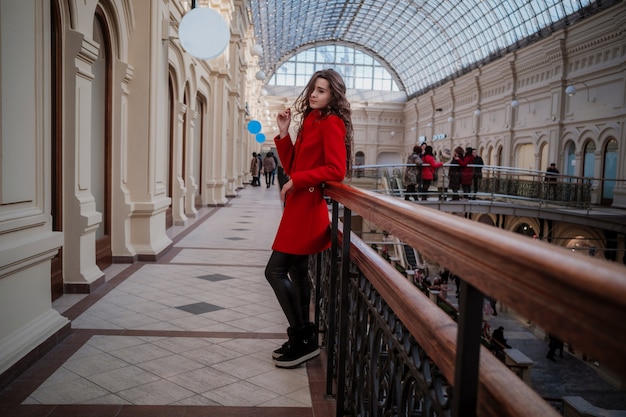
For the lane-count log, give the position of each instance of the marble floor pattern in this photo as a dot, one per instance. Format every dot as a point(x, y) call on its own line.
point(195, 328)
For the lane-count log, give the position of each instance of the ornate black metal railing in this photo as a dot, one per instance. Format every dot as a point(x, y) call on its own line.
point(497, 183)
point(393, 352)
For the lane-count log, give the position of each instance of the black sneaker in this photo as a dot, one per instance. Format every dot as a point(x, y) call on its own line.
point(294, 357)
point(301, 347)
point(281, 350)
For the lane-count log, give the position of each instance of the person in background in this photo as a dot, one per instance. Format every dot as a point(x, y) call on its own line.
point(467, 172)
point(421, 153)
point(254, 170)
point(414, 161)
point(551, 176)
point(260, 158)
point(552, 172)
point(554, 344)
point(478, 171)
point(320, 153)
point(442, 176)
point(429, 165)
point(269, 166)
point(454, 172)
point(276, 164)
point(498, 336)
point(444, 289)
point(494, 306)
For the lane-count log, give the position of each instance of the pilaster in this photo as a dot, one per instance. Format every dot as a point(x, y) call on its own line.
point(81, 218)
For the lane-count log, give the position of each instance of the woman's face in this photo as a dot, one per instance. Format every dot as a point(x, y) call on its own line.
point(320, 96)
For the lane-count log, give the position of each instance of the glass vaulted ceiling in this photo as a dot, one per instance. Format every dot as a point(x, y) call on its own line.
point(423, 43)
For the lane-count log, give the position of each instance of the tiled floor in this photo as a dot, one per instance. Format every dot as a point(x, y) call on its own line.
point(192, 333)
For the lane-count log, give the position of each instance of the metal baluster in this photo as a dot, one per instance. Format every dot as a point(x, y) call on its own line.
point(332, 300)
point(464, 399)
point(318, 287)
point(343, 312)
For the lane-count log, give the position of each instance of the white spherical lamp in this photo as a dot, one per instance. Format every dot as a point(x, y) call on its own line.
point(570, 90)
point(203, 33)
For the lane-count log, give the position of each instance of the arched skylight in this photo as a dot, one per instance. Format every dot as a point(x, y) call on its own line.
point(422, 43)
point(359, 70)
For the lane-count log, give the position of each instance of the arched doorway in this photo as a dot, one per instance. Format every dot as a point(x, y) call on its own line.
point(170, 123)
point(359, 158)
point(582, 244)
point(570, 159)
point(589, 160)
point(56, 51)
point(486, 219)
point(197, 151)
point(525, 156)
point(609, 171)
point(101, 138)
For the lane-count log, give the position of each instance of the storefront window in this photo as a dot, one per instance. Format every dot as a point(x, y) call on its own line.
point(610, 169)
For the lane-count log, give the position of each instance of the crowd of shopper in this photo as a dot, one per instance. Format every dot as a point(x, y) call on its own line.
point(423, 170)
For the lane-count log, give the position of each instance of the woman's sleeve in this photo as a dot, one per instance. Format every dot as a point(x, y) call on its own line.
point(285, 150)
point(333, 131)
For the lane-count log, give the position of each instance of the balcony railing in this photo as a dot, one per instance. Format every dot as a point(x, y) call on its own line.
point(497, 183)
point(393, 352)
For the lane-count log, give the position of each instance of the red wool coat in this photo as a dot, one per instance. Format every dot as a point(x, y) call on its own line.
point(467, 173)
point(428, 171)
point(319, 155)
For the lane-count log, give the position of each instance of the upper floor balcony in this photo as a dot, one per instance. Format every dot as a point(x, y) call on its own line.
point(508, 191)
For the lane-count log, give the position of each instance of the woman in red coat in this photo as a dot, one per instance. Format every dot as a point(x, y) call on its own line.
point(467, 172)
point(429, 165)
point(320, 153)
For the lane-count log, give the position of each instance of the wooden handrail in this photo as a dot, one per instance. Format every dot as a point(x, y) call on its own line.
point(499, 393)
point(580, 299)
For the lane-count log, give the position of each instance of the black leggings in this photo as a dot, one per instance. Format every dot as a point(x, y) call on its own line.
point(289, 277)
point(425, 187)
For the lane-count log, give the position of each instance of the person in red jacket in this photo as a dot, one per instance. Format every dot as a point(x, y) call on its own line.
point(467, 172)
point(428, 170)
point(320, 153)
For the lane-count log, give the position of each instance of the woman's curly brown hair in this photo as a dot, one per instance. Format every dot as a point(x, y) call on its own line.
point(338, 106)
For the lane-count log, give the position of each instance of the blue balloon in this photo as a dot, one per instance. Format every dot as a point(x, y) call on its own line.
point(254, 126)
point(260, 138)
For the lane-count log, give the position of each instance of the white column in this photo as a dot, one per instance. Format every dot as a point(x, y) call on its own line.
point(216, 146)
point(80, 217)
point(177, 174)
point(190, 158)
point(148, 140)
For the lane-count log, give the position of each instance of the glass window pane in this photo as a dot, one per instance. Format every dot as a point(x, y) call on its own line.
point(589, 162)
point(610, 169)
point(368, 74)
point(570, 162)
